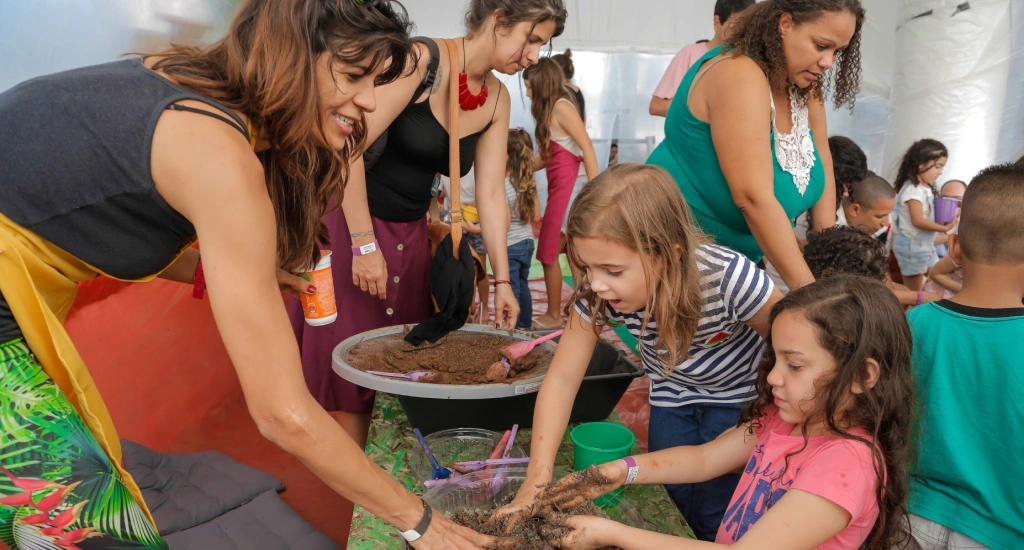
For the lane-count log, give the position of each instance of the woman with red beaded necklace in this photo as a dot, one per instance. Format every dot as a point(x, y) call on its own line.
point(384, 280)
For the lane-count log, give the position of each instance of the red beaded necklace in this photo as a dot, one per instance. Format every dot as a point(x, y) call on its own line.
point(467, 100)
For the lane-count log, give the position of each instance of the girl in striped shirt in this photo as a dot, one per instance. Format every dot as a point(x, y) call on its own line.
point(699, 312)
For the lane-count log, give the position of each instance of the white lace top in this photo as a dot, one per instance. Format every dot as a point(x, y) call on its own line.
point(795, 150)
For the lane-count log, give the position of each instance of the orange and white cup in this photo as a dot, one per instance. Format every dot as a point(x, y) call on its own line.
point(320, 308)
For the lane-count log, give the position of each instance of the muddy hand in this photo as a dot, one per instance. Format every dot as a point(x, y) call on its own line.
point(443, 534)
point(294, 284)
point(575, 533)
point(575, 489)
point(520, 509)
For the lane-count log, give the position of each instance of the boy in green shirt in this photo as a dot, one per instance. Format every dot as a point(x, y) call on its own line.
point(965, 491)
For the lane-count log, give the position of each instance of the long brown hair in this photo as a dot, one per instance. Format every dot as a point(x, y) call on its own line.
point(546, 88)
point(512, 12)
point(756, 34)
point(857, 319)
point(520, 169)
point(639, 206)
point(921, 153)
point(265, 68)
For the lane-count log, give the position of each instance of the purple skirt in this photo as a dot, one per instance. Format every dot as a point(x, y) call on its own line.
point(407, 253)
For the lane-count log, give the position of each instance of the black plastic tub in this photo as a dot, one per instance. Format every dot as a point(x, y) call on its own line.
point(608, 376)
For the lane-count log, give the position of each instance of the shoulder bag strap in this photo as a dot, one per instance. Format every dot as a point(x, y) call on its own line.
point(454, 166)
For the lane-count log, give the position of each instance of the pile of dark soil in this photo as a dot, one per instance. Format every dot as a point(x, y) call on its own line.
point(462, 357)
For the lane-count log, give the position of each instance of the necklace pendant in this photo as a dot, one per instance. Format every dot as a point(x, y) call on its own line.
point(469, 101)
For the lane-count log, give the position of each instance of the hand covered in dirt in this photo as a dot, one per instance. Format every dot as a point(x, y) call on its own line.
point(293, 284)
point(443, 535)
point(370, 274)
point(578, 532)
point(524, 505)
point(575, 489)
point(506, 308)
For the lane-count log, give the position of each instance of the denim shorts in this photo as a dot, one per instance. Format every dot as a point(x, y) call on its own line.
point(928, 535)
point(915, 255)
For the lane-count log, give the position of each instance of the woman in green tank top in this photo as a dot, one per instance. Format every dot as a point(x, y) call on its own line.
point(745, 137)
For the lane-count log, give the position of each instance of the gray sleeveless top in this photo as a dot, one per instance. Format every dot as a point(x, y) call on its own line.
point(75, 158)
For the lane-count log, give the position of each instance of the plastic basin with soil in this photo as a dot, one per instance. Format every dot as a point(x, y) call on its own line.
point(478, 495)
point(432, 407)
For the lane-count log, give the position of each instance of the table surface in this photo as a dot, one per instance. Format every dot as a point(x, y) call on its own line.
point(391, 440)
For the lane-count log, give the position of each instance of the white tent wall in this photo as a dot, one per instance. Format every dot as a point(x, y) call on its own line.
point(952, 83)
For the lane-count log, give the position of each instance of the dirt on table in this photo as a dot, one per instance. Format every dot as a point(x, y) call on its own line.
point(461, 357)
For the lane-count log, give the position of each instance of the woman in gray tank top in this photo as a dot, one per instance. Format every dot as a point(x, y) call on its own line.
point(111, 169)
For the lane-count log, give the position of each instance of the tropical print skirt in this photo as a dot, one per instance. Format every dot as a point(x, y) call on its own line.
point(58, 489)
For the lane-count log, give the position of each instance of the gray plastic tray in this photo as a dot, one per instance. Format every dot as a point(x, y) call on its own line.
point(435, 391)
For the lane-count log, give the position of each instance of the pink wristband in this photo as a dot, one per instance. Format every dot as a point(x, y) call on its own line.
point(631, 471)
point(920, 298)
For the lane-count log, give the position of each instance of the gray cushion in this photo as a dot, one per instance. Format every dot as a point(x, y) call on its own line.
point(184, 490)
point(266, 523)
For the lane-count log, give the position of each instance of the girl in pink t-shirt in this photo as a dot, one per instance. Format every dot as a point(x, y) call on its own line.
point(823, 448)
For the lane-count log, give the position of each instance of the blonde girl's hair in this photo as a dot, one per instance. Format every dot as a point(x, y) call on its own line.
point(520, 169)
point(547, 86)
point(639, 206)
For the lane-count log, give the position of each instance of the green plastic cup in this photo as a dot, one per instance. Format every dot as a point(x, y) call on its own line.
point(597, 443)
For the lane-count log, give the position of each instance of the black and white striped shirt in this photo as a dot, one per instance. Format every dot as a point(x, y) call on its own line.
point(725, 351)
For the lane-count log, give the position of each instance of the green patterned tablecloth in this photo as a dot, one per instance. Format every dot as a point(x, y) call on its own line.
point(391, 440)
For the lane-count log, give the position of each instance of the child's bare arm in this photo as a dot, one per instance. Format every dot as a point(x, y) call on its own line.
point(921, 222)
point(940, 273)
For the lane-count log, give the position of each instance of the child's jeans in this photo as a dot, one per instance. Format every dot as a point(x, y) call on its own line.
point(925, 534)
point(520, 257)
point(702, 504)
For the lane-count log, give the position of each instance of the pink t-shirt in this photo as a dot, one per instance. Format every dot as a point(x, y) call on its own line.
point(831, 467)
point(677, 69)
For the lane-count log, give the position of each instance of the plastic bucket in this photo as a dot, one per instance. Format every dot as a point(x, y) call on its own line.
point(945, 209)
point(320, 307)
point(597, 443)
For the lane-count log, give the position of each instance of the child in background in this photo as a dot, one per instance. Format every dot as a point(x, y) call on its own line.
point(524, 207)
point(955, 189)
point(851, 251)
point(698, 310)
point(964, 491)
point(563, 143)
point(916, 230)
point(725, 10)
point(868, 205)
point(945, 278)
point(835, 372)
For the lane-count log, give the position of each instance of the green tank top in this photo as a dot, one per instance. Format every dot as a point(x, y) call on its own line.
point(689, 156)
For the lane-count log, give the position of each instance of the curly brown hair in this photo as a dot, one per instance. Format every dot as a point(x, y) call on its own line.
point(917, 159)
point(756, 34)
point(844, 249)
point(857, 319)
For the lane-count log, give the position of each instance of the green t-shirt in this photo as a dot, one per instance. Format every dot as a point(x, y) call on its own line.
point(969, 370)
point(688, 154)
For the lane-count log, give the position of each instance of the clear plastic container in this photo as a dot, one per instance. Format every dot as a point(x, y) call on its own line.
point(484, 490)
point(456, 445)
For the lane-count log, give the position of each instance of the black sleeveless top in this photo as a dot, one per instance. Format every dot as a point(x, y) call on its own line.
point(398, 184)
point(75, 151)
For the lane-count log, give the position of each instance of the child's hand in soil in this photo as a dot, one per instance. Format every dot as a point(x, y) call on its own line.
point(584, 532)
point(575, 489)
point(444, 534)
point(523, 507)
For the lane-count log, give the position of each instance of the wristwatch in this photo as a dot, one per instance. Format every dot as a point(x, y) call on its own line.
point(365, 249)
point(415, 533)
